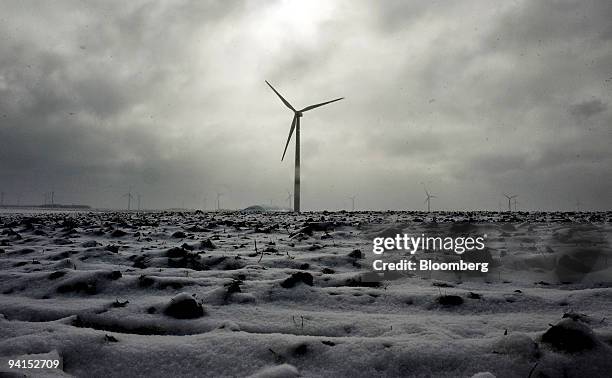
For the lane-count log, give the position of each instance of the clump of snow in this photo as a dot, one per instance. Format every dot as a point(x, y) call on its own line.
point(450, 300)
point(484, 374)
point(179, 235)
point(280, 371)
point(518, 344)
point(297, 277)
point(184, 306)
point(570, 336)
point(90, 244)
point(207, 244)
point(230, 325)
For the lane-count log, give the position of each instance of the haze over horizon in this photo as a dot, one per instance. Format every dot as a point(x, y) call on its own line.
point(473, 99)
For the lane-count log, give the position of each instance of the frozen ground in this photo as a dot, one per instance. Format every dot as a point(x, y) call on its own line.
point(188, 294)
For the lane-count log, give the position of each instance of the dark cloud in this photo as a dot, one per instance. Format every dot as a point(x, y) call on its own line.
point(586, 109)
point(471, 98)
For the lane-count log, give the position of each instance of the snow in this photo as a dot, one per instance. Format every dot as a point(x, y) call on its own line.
point(280, 371)
point(302, 303)
point(484, 374)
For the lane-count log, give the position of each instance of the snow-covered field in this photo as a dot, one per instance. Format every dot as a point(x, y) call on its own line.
point(160, 294)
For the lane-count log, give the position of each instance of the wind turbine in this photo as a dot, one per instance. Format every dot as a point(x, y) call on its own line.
point(50, 198)
point(515, 203)
point(129, 198)
point(428, 199)
point(218, 201)
point(295, 125)
point(352, 198)
point(138, 196)
point(510, 199)
point(288, 199)
point(578, 204)
point(1, 199)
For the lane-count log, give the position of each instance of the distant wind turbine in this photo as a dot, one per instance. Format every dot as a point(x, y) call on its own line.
point(1, 199)
point(138, 196)
point(295, 125)
point(129, 198)
point(352, 198)
point(515, 203)
point(49, 198)
point(219, 200)
point(578, 204)
point(288, 199)
point(510, 199)
point(428, 198)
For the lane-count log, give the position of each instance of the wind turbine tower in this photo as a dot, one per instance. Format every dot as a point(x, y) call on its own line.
point(352, 198)
point(219, 201)
point(295, 125)
point(515, 203)
point(129, 198)
point(288, 199)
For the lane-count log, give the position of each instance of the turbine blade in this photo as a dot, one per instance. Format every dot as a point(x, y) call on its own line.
point(287, 104)
point(290, 134)
point(321, 104)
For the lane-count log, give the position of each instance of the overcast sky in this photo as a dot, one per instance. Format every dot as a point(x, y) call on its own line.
point(471, 98)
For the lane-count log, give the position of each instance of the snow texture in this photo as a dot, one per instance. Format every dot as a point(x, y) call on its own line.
point(160, 294)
